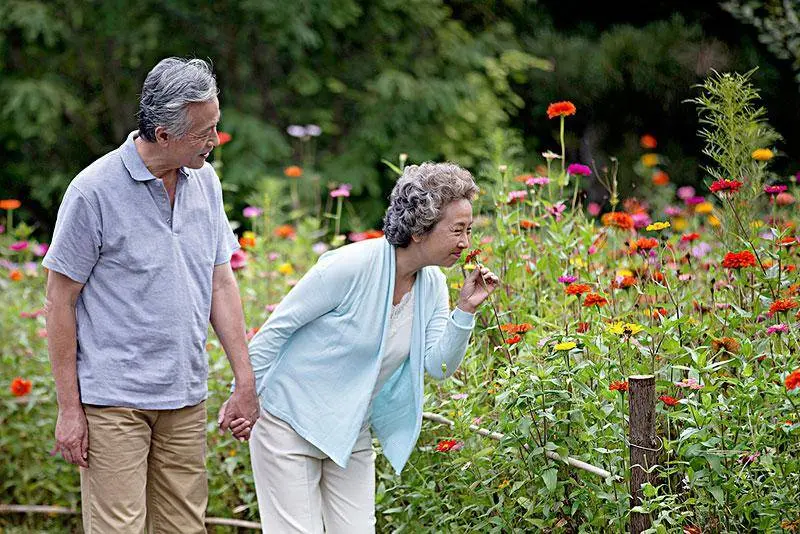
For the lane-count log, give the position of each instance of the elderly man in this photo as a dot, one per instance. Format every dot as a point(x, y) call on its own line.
point(139, 262)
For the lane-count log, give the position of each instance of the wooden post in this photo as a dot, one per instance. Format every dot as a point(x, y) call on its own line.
point(643, 450)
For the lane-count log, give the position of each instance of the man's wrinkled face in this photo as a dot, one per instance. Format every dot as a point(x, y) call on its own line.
point(192, 150)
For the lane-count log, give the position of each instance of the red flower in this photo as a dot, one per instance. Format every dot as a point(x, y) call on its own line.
point(648, 142)
point(20, 387)
point(667, 400)
point(623, 282)
point(726, 185)
point(593, 299)
point(447, 445)
point(560, 109)
point(284, 231)
point(513, 340)
point(619, 385)
point(512, 328)
point(527, 224)
point(738, 260)
point(792, 381)
point(577, 289)
point(617, 219)
point(660, 178)
point(583, 327)
point(782, 305)
point(224, 137)
point(472, 255)
point(646, 243)
point(688, 238)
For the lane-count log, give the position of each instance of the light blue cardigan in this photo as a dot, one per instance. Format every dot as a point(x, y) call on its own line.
point(317, 358)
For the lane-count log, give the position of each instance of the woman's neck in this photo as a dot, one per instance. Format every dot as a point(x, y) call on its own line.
point(407, 263)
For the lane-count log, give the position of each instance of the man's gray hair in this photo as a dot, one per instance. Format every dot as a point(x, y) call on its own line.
point(168, 90)
point(417, 200)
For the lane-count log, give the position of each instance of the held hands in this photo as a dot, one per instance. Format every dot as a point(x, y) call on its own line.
point(478, 285)
point(239, 413)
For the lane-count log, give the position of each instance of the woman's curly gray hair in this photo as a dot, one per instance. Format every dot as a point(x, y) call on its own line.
point(416, 202)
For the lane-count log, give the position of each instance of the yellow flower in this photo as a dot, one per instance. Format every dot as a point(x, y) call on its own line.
point(628, 329)
point(650, 160)
point(624, 272)
point(567, 345)
point(763, 154)
point(656, 226)
point(713, 221)
point(577, 262)
point(286, 268)
point(503, 484)
point(704, 207)
point(679, 224)
point(456, 285)
point(758, 223)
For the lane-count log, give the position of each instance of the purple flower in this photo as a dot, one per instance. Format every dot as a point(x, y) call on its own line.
point(694, 201)
point(687, 191)
point(567, 279)
point(18, 246)
point(579, 169)
point(640, 219)
point(537, 180)
point(700, 250)
point(557, 210)
point(251, 212)
point(295, 130)
point(41, 249)
point(30, 268)
point(778, 329)
point(672, 211)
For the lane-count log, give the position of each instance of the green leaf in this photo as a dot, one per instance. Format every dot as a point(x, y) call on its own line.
point(550, 477)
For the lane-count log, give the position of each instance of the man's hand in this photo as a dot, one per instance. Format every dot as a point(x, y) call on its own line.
point(239, 413)
point(72, 437)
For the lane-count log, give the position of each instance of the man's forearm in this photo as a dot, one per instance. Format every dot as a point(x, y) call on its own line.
point(62, 346)
point(228, 322)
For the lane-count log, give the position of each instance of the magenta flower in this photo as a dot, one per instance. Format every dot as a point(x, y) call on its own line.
point(238, 260)
point(694, 201)
point(41, 249)
point(640, 219)
point(594, 209)
point(18, 246)
point(537, 180)
point(778, 329)
point(578, 169)
point(774, 189)
point(557, 210)
point(251, 212)
point(567, 279)
point(342, 191)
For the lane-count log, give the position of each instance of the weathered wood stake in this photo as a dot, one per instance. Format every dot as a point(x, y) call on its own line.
point(643, 450)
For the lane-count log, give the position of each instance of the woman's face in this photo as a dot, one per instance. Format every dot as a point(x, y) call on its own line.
point(444, 244)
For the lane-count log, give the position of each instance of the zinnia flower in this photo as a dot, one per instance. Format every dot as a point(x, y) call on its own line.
point(648, 142)
point(251, 212)
point(10, 204)
point(224, 137)
point(778, 329)
point(690, 383)
point(560, 109)
point(474, 253)
point(688, 238)
point(731, 186)
point(617, 219)
point(660, 178)
point(668, 401)
point(537, 180)
point(18, 246)
point(20, 387)
point(238, 260)
point(784, 199)
point(646, 243)
point(774, 189)
point(577, 289)
point(656, 226)
point(763, 154)
point(625, 329)
point(15, 275)
point(566, 345)
point(293, 171)
point(739, 260)
point(556, 210)
point(727, 344)
point(578, 169)
point(447, 445)
point(567, 279)
point(782, 305)
point(793, 380)
point(512, 328)
point(284, 231)
point(513, 340)
point(619, 385)
point(341, 191)
point(248, 240)
point(516, 196)
point(593, 299)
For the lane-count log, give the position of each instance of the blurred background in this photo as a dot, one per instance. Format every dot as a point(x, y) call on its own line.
point(467, 81)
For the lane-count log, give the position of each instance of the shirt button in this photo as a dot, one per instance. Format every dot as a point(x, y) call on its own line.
point(169, 220)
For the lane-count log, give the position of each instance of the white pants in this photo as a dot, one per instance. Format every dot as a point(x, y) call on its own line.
point(301, 490)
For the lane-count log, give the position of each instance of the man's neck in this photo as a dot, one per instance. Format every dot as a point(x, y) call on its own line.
point(156, 162)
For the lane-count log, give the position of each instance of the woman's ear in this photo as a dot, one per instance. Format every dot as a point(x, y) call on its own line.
point(417, 238)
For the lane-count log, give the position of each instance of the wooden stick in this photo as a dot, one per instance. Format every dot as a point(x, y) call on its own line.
point(642, 441)
point(550, 454)
point(46, 509)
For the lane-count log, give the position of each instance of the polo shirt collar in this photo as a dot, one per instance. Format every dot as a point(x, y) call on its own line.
point(134, 163)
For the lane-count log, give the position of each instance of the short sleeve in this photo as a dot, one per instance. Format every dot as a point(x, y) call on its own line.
point(227, 243)
point(77, 238)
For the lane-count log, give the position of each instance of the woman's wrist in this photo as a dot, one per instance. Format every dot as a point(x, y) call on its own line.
point(466, 307)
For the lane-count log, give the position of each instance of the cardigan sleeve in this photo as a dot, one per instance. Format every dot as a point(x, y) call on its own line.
point(314, 295)
point(446, 335)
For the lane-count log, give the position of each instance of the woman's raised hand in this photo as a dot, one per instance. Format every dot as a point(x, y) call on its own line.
point(478, 285)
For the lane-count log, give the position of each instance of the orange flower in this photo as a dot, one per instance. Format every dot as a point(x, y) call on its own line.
point(727, 344)
point(20, 387)
point(284, 231)
point(617, 219)
point(660, 178)
point(577, 289)
point(512, 328)
point(513, 340)
point(782, 305)
point(527, 224)
point(593, 299)
point(15, 275)
point(669, 401)
point(619, 385)
point(293, 171)
point(247, 241)
point(623, 282)
point(10, 204)
point(646, 243)
point(792, 381)
point(224, 137)
point(648, 142)
point(560, 109)
point(738, 260)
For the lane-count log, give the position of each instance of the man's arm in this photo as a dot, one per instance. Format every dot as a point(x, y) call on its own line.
point(228, 322)
point(72, 435)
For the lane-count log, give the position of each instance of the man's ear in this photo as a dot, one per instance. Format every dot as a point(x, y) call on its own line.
point(162, 136)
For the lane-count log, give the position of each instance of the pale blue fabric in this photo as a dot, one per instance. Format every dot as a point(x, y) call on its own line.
point(318, 356)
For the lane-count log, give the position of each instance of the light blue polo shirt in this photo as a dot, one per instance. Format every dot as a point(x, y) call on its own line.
point(144, 310)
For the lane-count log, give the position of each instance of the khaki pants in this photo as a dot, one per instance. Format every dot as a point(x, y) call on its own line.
point(146, 469)
point(301, 490)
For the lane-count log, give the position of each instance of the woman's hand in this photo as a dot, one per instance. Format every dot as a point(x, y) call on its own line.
point(478, 285)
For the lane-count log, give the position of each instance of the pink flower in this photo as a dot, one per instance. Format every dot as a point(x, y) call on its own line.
point(516, 196)
point(41, 249)
point(459, 396)
point(591, 250)
point(272, 256)
point(774, 189)
point(238, 260)
point(19, 245)
point(640, 219)
point(557, 210)
point(578, 169)
point(270, 308)
point(341, 191)
point(690, 383)
point(486, 240)
point(672, 211)
point(778, 329)
point(687, 191)
point(594, 209)
point(251, 212)
point(567, 279)
point(537, 180)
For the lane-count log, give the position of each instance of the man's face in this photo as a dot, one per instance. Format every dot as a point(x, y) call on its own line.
point(193, 149)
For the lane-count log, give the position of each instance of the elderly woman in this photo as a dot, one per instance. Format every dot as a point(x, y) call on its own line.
point(346, 350)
